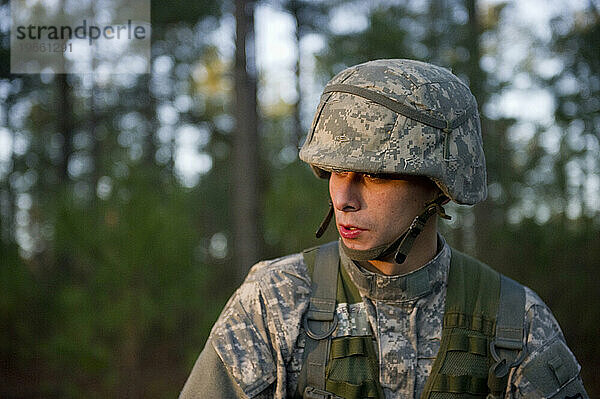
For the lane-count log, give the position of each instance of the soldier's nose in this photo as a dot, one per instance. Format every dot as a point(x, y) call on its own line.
point(343, 189)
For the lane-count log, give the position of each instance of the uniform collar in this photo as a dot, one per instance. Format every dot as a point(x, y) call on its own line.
point(403, 287)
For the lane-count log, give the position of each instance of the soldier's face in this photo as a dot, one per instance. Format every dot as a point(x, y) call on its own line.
point(373, 210)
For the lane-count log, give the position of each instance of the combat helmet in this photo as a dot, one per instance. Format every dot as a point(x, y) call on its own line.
point(400, 117)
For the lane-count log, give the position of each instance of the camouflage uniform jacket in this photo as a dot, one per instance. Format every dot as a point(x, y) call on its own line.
point(255, 349)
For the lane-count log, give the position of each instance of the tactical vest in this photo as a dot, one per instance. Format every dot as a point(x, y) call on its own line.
point(482, 334)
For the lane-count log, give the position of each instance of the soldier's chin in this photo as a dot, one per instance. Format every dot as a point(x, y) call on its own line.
point(357, 244)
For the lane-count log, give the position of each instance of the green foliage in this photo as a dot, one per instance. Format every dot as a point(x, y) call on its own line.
point(176, 12)
point(23, 315)
point(123, 292)
point(295, 203)
point(384, 37)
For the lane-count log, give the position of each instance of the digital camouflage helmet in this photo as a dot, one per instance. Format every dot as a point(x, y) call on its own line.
point(400, 117)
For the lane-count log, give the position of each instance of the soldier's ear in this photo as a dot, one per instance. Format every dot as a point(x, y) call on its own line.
point(434, 188)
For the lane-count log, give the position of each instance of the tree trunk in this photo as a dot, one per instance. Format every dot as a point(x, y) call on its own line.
point(65, 125)
point(97, 144)
point(474, 71)
point(480, 229)
point(298, 132)
point(7, 197)
point(245, 162)
point(149, 111)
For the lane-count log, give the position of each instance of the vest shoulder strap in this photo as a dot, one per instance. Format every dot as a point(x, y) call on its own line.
point(483, 319)
point(473, 290)
point(508, 348)
point(319, 321)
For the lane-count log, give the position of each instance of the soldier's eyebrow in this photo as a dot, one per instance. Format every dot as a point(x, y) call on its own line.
point(383, 176)
point(388, 176)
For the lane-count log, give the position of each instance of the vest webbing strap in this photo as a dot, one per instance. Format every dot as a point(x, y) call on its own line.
point(508, 347)
point(461, 384)
point(319, 321)
point(465, 343)
point(509, 324)
point(347, 390)
point(454, 319)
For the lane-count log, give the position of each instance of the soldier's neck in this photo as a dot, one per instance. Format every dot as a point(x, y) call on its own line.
point(424, 249)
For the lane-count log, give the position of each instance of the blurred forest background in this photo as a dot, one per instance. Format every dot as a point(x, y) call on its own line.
point(131, 206)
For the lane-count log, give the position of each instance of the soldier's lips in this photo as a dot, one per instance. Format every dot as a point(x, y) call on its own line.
point(348, 231)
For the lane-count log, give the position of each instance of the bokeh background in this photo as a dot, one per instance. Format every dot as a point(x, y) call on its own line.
point(131, 206)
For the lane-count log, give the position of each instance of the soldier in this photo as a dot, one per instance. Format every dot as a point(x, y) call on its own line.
point(390, 310)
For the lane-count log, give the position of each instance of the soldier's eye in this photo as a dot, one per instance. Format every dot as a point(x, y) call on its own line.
point(381, 177)
point(374, 176)
point(339, 172)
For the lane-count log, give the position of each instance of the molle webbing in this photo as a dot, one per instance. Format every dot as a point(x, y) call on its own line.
point(352, 369)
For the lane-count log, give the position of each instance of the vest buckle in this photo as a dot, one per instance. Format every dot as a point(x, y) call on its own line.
point(510, 359)
point(317, 336)
point(314, 393)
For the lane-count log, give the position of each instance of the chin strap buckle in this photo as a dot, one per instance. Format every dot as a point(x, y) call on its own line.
point(437, 204)
point(418, 224)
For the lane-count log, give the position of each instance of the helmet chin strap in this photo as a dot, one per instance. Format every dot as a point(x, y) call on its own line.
point(403, 244)
point(325, 223)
